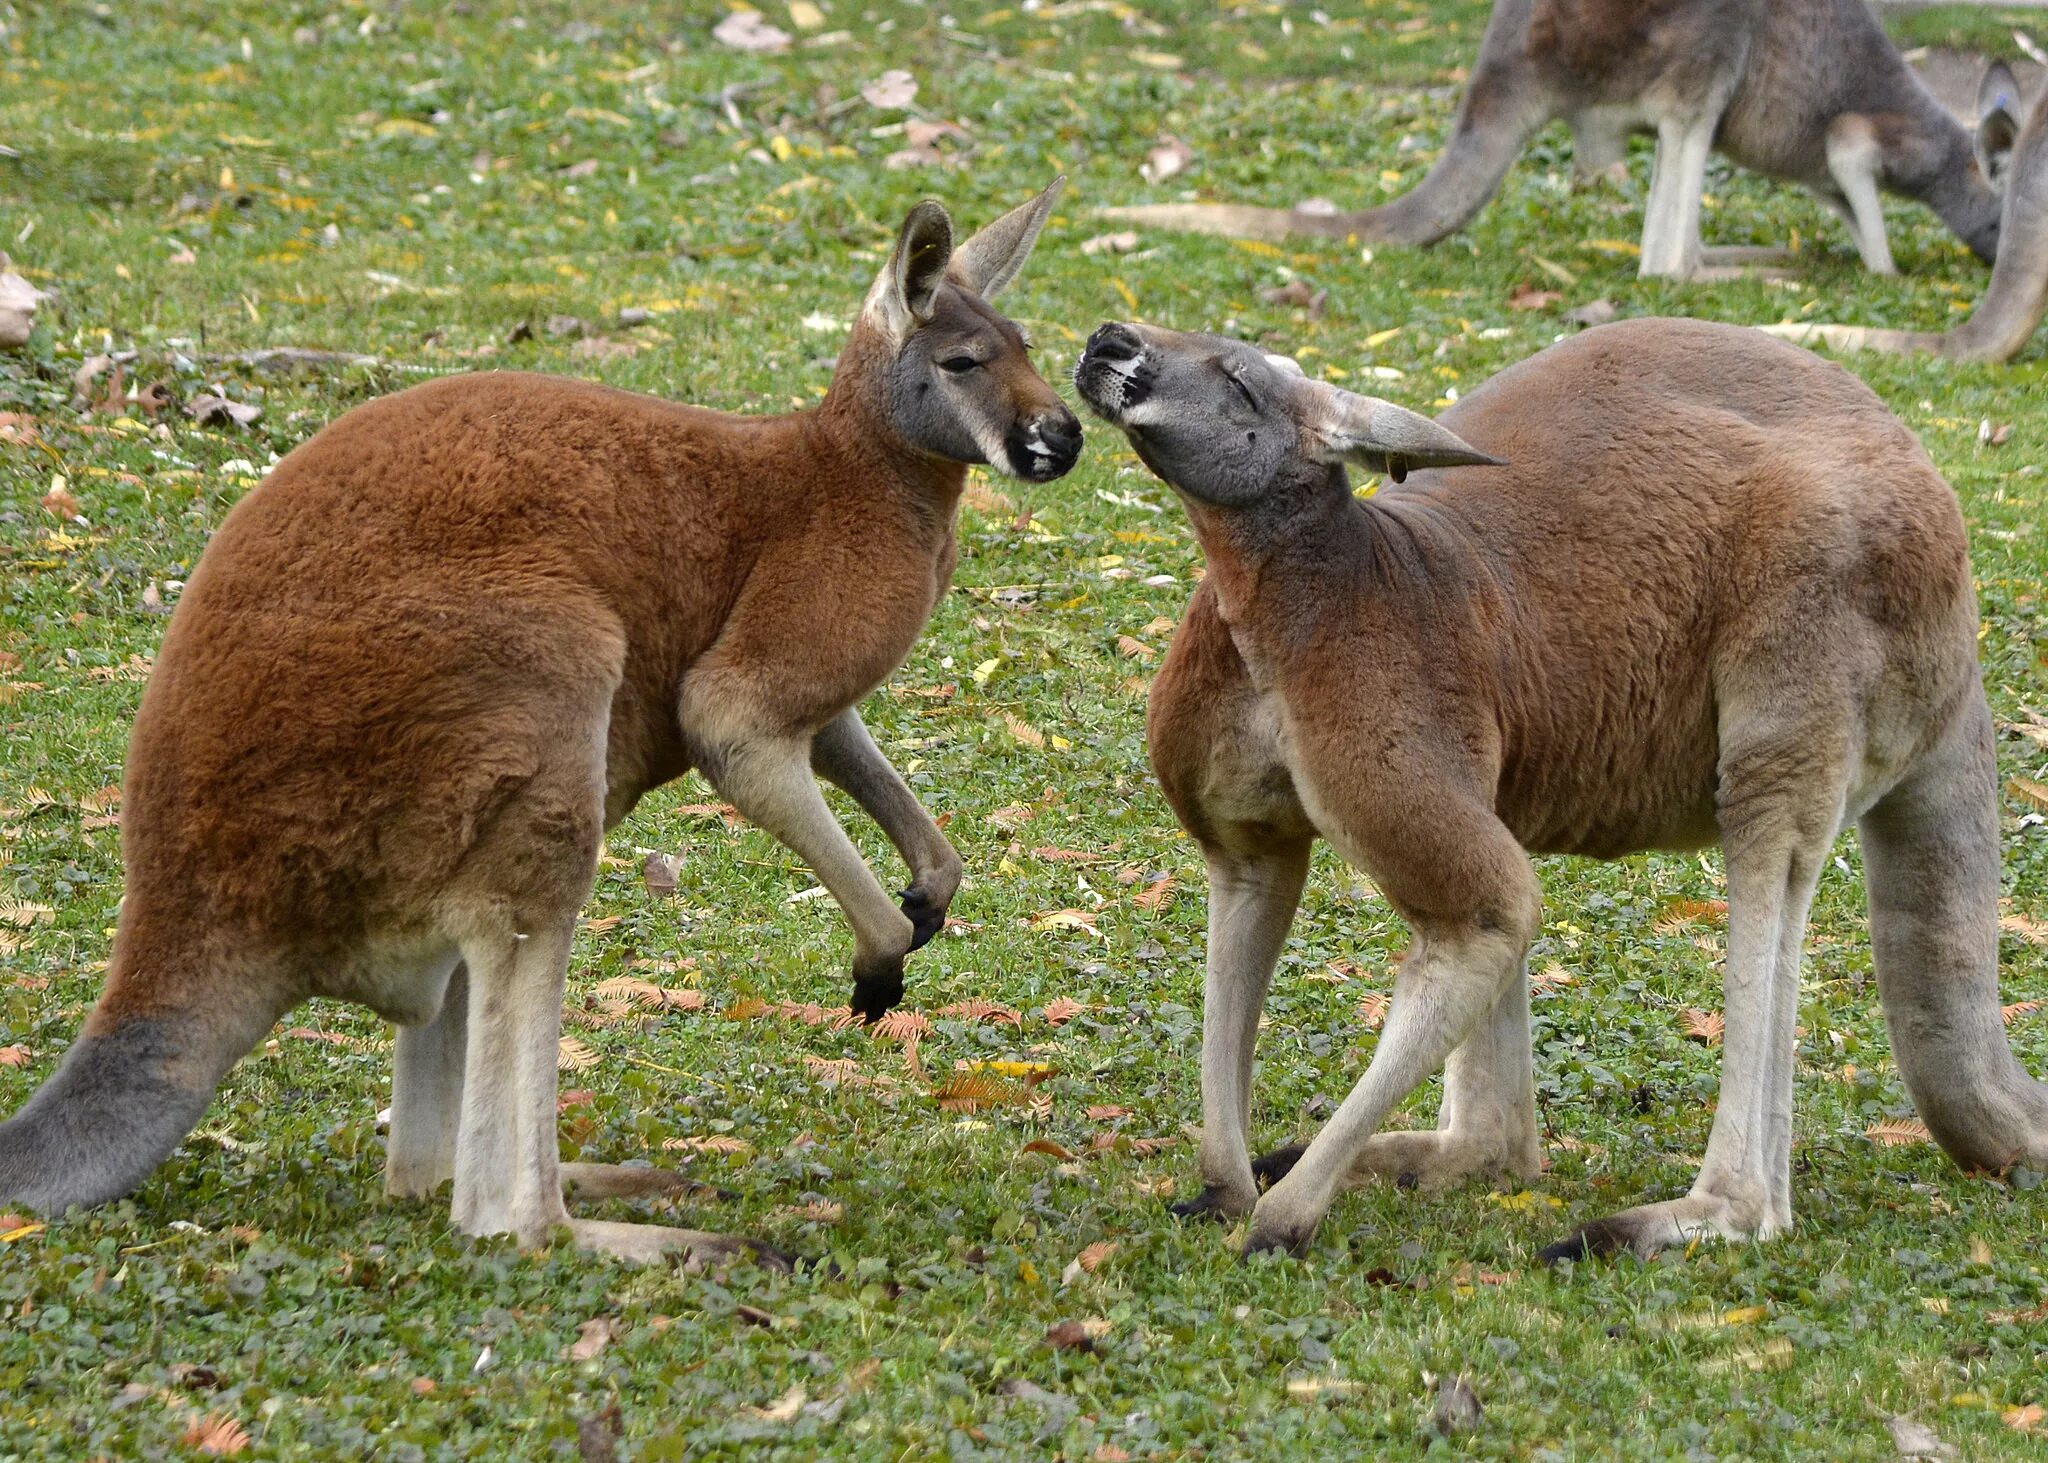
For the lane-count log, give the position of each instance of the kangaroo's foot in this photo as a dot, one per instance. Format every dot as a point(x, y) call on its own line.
point(926, 912)
point(1652, 1227)
point(643, 1244)
point(592, 1181)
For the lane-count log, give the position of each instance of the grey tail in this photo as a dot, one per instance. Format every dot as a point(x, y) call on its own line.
point(115, 1108)
point(1930, 853)
point(1494, 122)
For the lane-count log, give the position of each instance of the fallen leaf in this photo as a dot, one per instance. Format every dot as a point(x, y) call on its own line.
point(575, 1056)
point(2024, 1419)
point(1680, 914)
point(892, 90)
point(1121, 242)
point(1049, 1148)
point(1094, 1257)
point(1011, 818)
point(59, 501)
point(1157, 895)
point(973, 1091)
point(2033, 931)
point(981, 1010)
point(1062, 1009)
point(210, 410)
point(1135, 648)
point(15, 1056)
point(1705, 1027)
point(1917, 1440)
point(1898, 1132)
point(720, 1143)
point(804, 15)
point(1168, 157)
point(818, 1211)
point(2029, 791)
point(1315, 1389)
point(1066, 919)
point(1528, 297)
point(1552, 977)
point(786, 1407)
point(1372, 1010)
point(1993, 434)
point(592, 1337)
point(1078, 1335)
point(747, 30)
point(1107, 1112)
point(901, 1025)
point(1025, 733)
point(2018, 1009)
point(660, 872)
point(217, 1435)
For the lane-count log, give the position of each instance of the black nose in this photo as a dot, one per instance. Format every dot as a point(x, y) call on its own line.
point(1114, 342)
point(1062, 433)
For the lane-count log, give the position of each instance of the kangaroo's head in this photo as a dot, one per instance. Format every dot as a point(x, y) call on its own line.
point(1231, 426)
point(949, 375)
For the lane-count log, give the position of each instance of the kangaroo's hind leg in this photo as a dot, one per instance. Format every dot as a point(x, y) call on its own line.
point(1782, 779)
point(1855, 159)
point(1671, 220)
point(426, 1095)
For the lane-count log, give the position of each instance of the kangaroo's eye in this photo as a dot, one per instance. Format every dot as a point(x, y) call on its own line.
point(959, 365)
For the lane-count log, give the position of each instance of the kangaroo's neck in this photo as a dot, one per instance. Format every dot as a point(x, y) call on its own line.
point(855, 426)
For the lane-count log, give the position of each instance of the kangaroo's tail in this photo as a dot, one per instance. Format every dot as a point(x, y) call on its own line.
point(134, 1083)
point(1930, 852)
point(1499, 114)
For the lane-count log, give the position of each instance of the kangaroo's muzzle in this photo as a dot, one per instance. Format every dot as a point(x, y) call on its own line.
point(1115, 371)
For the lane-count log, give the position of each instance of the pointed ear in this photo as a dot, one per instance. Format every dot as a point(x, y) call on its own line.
point(988, 262)
point(1998, 119)
point(1379, 435)
point(904, 293)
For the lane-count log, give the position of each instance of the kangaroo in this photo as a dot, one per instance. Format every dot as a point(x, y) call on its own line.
point(1808, 91)
point(2014, 155)
point(451, 640)
point(1690, 585)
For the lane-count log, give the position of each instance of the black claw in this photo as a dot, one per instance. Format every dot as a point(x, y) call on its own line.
point(1601, 1237)
point(1265, 1244)
point(875, 996)
point(1206, 1205)
point(926, 915)
point(1275, 1166)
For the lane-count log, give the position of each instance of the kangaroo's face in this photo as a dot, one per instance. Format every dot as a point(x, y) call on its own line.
point(1231, 426)
point(959, 382)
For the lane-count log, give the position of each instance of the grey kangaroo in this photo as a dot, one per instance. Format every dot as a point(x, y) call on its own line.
point(1808, 91)
point(1716, 594)
point(2014, 155)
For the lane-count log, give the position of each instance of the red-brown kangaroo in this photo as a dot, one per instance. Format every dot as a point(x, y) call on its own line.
point(455, 637)
point(1708, 590)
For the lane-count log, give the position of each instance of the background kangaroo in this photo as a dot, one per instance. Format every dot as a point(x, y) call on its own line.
point(451, 640)
point(2014, 155)
point(1808, 91)
point(1717, 593)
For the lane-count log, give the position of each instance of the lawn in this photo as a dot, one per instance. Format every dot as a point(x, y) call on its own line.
point(453, 187)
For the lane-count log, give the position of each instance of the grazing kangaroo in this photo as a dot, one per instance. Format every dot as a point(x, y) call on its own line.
point(1715, 592)
point(455, 637)
point(1808, 91)
point(2014, 155)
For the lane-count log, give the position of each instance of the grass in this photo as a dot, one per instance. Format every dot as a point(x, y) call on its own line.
point(418, 183)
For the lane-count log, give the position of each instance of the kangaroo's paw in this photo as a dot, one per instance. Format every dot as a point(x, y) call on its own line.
point(621, 1181)
point(926, 913)
point(1217, 1202)
point(643, 1244)
point(1652, 1227)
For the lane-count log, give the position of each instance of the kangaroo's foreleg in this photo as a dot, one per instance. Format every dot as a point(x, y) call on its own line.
point(1855, 160)
point(846, 755)
point(1466, 888)
point(769, 780)
point(1251, 906)
point(1486, 1125)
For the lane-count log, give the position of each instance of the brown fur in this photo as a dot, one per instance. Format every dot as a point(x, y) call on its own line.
point(1717, 594)
point(457, 635)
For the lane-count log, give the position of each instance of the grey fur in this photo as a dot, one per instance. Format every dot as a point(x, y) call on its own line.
point(1807, 91)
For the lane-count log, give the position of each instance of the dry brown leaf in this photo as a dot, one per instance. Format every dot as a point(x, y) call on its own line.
point(1062, 1009)
point(60, 502)
point(722, 1143)
point(1167, 158)
point(981, 1010)
point(2024, 1419)
point(593, 1336)
point(1706, 1027)
point(901, 1025)
point(575, 1056)
point(1679, 914)
point(748, 30)
point(15, 1056)
point(1107, 1112)
point(1025, 733)
point(1372, 1010)
point(1898, 1132)
point(1067, 856)
point(1066, 919)
point(746, 1008)
point(1528, 297)
point(2033, 931)
point(813, 1014)
point(1094, 1257)
point(1012, 817)
point(2018, 1009)
point(1049, 1148)
point(1157, 895)
point(984, 499)
point(1552, 977)
point(1135, 648)
point(817, 1211)
point(217, 1435)
point(602, 924)
point(2029, 791)
point(1078, 1335)
point(972, 1091)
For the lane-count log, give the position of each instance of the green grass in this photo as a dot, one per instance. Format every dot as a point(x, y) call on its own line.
point(402, 180)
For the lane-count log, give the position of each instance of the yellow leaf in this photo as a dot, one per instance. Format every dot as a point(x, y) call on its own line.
point(986, 669)
point(779, 145)
point(1614, 246)
point(1380, 337)
point(1261, 248)
point(1898, 1132)
point(23, 1232)
point(1123, 289)
point(1745, 1315)
point(1158, 60)
point(2029, 791)
point(1526, 1201)
point(804, 15)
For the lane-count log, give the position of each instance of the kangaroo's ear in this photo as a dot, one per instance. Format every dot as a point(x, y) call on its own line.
point(988, 262)
point(1379, 435)
point(905, 292)
point(1998, 119)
